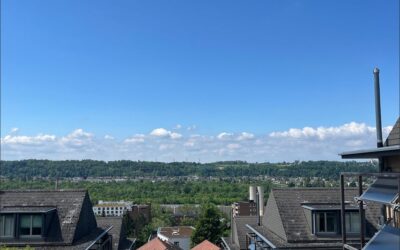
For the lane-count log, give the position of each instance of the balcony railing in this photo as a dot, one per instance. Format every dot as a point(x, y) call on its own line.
point(385, 190)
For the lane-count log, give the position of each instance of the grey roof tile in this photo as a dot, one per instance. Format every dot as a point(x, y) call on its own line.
point(394, 135)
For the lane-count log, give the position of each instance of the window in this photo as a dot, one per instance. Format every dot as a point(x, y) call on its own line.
point(176, 243)
point(7, 225)
point(30, 225)
point(352, 222)
point(326, 222)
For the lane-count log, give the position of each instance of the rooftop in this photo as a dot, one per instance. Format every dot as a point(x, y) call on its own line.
point(176, 232)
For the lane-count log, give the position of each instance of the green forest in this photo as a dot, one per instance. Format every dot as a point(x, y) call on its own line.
point(26, 169)
point(166, 192)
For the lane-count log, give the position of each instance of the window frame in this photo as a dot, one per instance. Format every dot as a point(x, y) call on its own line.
point(31, 235)
point(3, 224)
point(348, 213)
point(315, 227)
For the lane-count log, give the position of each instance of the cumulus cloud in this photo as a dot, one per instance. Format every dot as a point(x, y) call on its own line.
point(347, 130)
point(162, 132)
point(138, 138)
point(109, 137)
point(245, 136)
point(27, 140)
point(77, 138)
point(14, 130)
point(307, 143)
point(224, 136)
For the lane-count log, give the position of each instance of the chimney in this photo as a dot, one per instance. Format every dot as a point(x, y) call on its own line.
point(260, 191)
point(252, 194)
point(378, 109)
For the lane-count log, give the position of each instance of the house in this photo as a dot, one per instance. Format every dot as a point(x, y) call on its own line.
point(206, 245)
point(178, 236)
point(51, 219)
point(385, 191)
point(304, 218)
point(157, 244)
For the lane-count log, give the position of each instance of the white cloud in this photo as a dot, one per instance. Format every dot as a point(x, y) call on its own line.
point(14, 130)
point(224, 136)
point(245, 136)
point(26, 140)
point(162, 132)
point(109, 137)
point(346, 130)
point(138, 138)
point(178, 126)
point(308, 143)
point(78, 138)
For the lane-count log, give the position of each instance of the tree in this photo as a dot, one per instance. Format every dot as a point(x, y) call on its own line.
point(209, 226)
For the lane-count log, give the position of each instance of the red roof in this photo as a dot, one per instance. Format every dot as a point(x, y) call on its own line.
point(157, 244)
point(206, 245)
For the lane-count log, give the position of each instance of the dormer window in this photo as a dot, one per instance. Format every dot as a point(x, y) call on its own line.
point(7, 225)
point(325, 218)
point(31, 224)
point(352, 222)
point(326, 222)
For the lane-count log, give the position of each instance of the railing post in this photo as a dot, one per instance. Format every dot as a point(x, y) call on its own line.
point(342, 200)
point(361, 212)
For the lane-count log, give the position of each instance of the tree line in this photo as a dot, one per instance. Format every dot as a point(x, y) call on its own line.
point(27, 169)
point(167, 192)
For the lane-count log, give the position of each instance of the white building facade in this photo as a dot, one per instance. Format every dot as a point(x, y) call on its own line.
point(112, 208)
point(179, 236)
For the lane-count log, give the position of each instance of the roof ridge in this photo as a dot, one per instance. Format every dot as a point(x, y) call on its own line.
point(42, 190)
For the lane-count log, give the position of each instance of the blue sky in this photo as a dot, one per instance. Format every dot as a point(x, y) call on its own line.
point(126, 68)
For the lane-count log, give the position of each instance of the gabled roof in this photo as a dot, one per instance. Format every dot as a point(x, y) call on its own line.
point(206, 245)
point(240, 223)
point(118, 235)
point(68, 203)
point(157, 244)
point(394, 136)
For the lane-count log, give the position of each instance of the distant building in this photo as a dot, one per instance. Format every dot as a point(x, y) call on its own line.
point(112, 208)
point(56, 219)
point(157, 244)
point(206, 245)
point(140, 210)
point(244, 208)
point(178, 236)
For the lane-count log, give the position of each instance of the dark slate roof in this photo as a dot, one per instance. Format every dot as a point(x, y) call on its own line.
point(290, 204)
point(67, 202)
point(117, 230)
point(394, 136)
point(242, 230)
